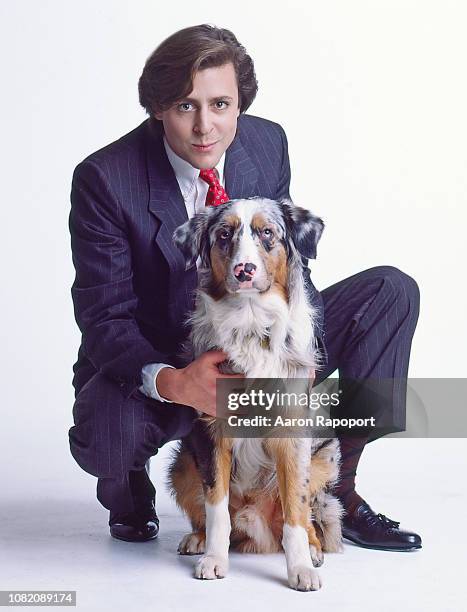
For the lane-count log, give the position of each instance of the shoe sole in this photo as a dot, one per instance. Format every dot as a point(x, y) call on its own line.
point(375, 547)
point(116, 537)
point(133, 540)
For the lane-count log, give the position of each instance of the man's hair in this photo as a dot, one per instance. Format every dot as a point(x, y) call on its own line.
point(168, 73)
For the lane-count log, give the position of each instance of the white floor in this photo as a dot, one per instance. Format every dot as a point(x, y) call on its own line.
point(52, 542)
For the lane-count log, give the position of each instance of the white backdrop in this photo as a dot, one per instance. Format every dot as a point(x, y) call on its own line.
point(372, 95)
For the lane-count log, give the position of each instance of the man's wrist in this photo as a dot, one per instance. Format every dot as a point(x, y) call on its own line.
point(168, 384)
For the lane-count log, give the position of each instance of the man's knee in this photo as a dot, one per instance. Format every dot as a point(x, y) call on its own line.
point(401, 285)
point(81, 447)
point(114, 434)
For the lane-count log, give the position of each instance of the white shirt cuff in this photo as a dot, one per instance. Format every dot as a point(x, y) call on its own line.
point(149, 375)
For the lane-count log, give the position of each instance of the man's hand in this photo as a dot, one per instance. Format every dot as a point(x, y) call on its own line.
point(194, 385)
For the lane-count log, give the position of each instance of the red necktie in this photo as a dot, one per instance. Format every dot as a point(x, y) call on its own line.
point(216, 193)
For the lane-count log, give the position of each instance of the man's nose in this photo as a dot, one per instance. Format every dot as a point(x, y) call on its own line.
point(203, 124)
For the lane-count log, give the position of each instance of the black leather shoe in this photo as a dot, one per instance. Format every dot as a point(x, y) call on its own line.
point(142, 524)
point(139, 526)
point(370, 530)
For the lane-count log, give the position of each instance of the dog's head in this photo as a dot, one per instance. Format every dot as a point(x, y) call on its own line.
point(248, 245)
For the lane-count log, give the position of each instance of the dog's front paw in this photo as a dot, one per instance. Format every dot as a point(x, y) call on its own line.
point(210, 567)
point(304, 578)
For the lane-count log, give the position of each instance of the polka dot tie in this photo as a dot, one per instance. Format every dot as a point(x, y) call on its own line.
point(216, 193)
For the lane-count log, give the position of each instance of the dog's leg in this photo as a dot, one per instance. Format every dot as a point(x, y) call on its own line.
point(193, 543)
point(186, 486)
point(316, 549)
point(327, 511)
point(292, 458)
point(214, 563)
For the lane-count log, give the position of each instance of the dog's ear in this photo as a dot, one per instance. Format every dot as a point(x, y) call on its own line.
point(189, 236)
point(304, 228)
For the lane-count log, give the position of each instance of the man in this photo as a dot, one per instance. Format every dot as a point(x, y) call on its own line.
point(132, 292)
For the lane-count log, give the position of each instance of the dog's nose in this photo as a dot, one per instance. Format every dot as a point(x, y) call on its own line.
point(244, 272)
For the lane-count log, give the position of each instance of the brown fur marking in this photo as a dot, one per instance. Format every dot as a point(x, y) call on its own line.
point(222, 468)
point(187, 488)
point(313, 539)
point(232, 221)
point(289, 481)
point(219, 272)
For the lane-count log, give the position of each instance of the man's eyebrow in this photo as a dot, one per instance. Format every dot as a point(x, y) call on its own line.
point(188, 99)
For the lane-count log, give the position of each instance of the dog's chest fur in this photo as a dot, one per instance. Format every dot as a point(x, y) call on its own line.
point(265, 338)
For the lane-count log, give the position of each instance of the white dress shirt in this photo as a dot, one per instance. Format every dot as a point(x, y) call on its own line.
point(194, 191)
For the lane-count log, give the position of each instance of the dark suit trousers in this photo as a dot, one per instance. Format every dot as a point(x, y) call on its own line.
point(113, 435)
point(370, 320)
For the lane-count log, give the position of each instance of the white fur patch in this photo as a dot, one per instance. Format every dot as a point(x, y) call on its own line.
point(247, 249)
point(248, 459)
point(218, 528)
point(215, 562)
point(296, 547)
point(239, 324)
point(302, 576)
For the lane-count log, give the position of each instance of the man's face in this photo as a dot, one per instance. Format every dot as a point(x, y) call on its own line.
point(207, 116)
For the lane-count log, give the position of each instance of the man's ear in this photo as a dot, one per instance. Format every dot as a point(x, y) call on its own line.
point(304, 228)
point(157, 112)
point(189, 236)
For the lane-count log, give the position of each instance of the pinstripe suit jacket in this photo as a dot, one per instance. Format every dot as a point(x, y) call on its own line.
point(131, 293)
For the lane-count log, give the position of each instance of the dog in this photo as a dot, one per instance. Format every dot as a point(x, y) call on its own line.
point(266, 494)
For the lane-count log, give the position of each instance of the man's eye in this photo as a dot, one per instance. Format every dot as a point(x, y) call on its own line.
point(184, 106)
point(219, 104)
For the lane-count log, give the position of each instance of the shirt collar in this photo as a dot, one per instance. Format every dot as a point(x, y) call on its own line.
point(187, 174)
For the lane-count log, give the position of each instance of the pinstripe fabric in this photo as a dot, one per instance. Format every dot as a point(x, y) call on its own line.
point(114, 434)
point(370, 320)
point(132, 292)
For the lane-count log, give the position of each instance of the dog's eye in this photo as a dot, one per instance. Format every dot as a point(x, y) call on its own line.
point(226, 234)
point(267, 233)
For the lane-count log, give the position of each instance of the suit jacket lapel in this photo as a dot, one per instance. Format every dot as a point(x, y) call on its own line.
point(166, 203)
point(165, 200)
